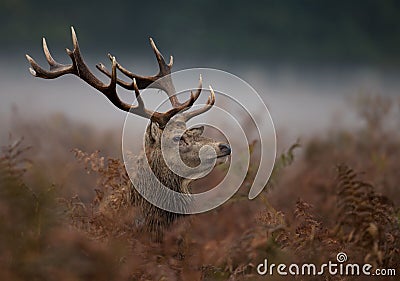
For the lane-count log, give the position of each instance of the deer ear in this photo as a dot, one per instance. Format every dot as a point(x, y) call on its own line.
point(152, 132)
point(197, 131)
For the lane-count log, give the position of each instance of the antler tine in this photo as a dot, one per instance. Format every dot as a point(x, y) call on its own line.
point(162, 80)
point(80, 69)
point(78, 66)
point(164, 67)
point(210, 102)
point(194, 96)
point(199, 88)
point(126, 85)
point(161, 118)
point(140, 108)
point(56, 69)
point(53, 64)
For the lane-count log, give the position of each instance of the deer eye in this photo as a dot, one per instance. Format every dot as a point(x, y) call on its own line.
point(176, 138)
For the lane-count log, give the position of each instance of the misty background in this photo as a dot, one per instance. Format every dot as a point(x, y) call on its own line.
point(307, 59)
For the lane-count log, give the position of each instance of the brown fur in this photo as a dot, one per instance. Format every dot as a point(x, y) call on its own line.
point(155, 220)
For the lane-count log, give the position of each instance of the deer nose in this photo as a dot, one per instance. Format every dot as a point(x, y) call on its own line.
point(225, 148)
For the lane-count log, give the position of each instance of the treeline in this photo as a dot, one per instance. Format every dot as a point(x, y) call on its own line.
point(354, 31)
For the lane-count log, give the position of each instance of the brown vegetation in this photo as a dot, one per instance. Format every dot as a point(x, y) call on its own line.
point(339, 195)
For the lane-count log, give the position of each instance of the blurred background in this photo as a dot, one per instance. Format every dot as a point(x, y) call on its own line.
point(305, 58)
point(328, 72)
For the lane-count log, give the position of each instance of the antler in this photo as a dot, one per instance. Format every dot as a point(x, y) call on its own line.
point(80, 69)
point(164, 84)
point(210, 102)
point(154, 81)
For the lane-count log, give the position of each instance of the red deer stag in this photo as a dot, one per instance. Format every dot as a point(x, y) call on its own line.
point(189, 140)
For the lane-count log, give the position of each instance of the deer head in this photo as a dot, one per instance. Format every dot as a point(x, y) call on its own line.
point(170, 125)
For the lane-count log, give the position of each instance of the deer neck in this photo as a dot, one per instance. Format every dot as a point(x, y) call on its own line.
point(162, 171)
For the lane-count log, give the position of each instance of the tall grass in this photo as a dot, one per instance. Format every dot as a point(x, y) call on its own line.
point(340, 195)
